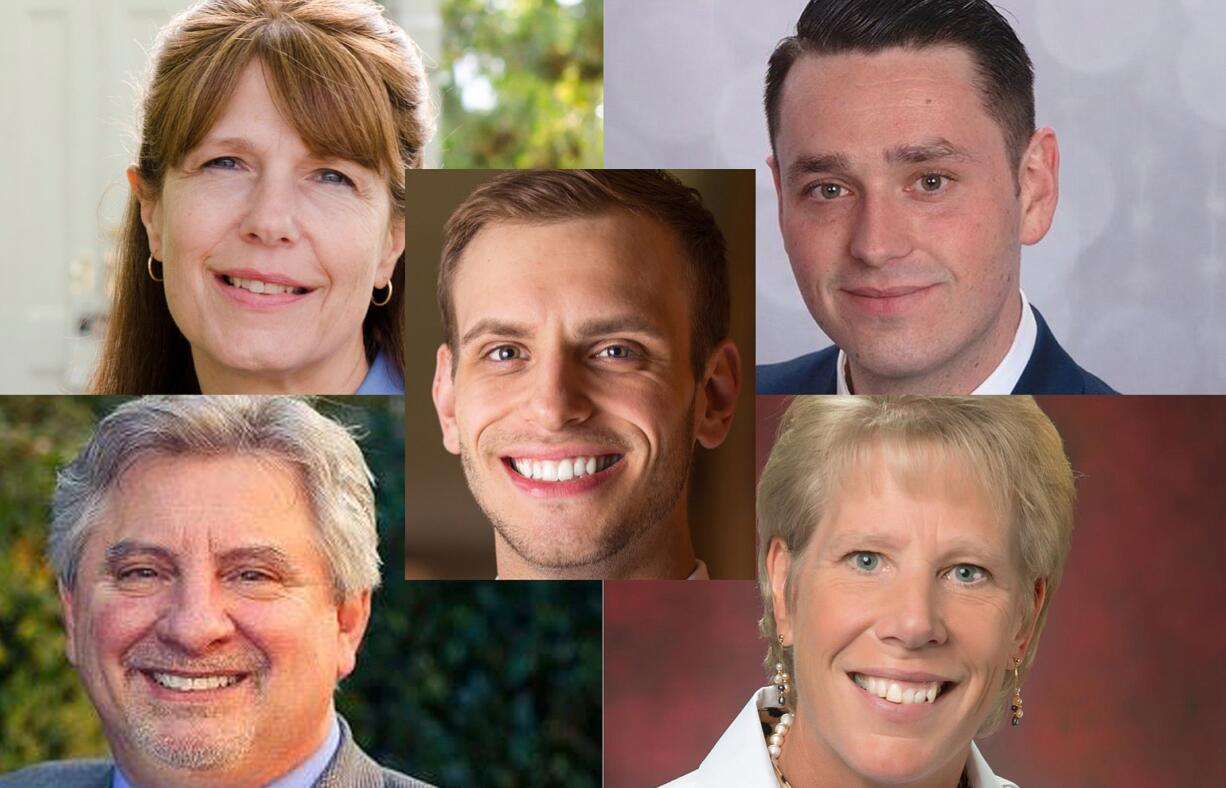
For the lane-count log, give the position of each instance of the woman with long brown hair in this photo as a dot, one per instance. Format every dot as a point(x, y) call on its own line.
point(262, 250)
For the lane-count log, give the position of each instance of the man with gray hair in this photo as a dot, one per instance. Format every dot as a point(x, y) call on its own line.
point(216, 558)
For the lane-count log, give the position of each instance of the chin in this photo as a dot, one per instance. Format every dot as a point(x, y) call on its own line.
point(891, 761)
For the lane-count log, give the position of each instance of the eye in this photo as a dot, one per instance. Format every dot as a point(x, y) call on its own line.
point(336, 177)
point(828, 191)
point(222, 163)
point(253, 576)
point(968, 574)
point(615, 352)
point(865, 561)
point(932, 182)
point(138, 573)
point(504, 353)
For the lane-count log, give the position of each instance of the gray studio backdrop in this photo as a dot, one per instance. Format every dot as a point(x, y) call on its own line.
point(1132, 276)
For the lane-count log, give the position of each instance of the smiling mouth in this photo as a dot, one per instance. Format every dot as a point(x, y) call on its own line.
point(262, 288)
point(902, 692)
point(187, 684)
point(563, 469)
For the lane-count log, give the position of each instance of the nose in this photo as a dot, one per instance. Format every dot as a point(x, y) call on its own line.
point(195, 617)
point(559, 392)
point(271, 217)
point(879, 233)
point(912, 614)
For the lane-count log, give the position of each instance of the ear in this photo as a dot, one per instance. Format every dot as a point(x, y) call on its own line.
point(391, 252)
point(68, 603)
point(721, 381)
point(352, 616)
point(778, 561)
point(1021, 642)
point(774, 165)
point(150, 211)
point(1039, 179)
point(443, 392)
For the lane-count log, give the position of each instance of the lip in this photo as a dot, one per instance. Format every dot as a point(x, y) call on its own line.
point(901, 675)
point(901, 712)
point(543, 489)
point(887, 300)
point(197, 696)
point(260, 301)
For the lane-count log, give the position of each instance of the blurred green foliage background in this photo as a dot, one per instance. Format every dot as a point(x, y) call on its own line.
point(460, 684)
point(523, 83)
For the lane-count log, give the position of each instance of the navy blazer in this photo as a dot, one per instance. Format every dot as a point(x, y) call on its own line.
point(1050, 371)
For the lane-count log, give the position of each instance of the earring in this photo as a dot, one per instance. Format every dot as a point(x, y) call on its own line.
point(781, 680)
point(149, 268)
point(1016, 706)
point(386, 299)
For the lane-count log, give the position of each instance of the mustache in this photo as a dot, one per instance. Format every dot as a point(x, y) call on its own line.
point(148, 655)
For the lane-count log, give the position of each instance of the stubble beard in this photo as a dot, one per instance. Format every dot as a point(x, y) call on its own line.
point(231, 741)
point(637, 515)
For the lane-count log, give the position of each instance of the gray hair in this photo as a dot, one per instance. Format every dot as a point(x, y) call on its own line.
point(334, 473)
point(1008, 445)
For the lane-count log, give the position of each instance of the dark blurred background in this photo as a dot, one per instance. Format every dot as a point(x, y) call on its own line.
point(460, 684)
point(1125, 690)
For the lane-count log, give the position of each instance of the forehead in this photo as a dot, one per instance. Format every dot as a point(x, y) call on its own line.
point(193, 503)
point(252, 113)
point(863, 104)
point(613, 264)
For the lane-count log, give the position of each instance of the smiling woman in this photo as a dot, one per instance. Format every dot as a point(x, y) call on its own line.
point(262, 247)
point(908, 551)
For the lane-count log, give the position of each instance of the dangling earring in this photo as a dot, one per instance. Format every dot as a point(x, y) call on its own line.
point(1016, 706)
point(149, 268)
point(774, 743)
point(386, 299)
point(782, 681)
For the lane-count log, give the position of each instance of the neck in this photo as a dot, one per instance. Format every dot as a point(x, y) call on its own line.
point(807, 760)
point(339, 373)
point(960, 375)
point(663, 552)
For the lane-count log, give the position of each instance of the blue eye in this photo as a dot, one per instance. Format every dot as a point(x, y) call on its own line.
point(615, 351)
point(866, 561)
point(222, 163)
point(336, 177)
point(968, 573)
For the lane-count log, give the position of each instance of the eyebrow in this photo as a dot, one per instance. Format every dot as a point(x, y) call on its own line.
point(874, 541)
point(265, 554)
point(596, 327)
point(939, 149)
point(127, 548)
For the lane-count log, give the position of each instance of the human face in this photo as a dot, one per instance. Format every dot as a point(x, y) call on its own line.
point(252, 204)
point(902, 216)
point(574, 344)
point(909, 583)
point(205, 571)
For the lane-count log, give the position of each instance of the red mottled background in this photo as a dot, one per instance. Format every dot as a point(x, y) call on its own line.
point(1128, 687)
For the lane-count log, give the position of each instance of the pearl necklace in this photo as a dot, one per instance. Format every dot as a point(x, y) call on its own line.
point(774, 745)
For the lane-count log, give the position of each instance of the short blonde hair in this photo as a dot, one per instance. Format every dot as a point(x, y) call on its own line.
point(1007, 444)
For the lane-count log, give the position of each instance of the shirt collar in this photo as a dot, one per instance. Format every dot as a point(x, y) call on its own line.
point(381, 379)
point(304, 775)
point(1007, 373)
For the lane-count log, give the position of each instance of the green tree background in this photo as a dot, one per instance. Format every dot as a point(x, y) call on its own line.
point(543, 62)
point(461, 684)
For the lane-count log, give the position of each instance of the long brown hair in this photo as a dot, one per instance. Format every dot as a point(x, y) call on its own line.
point(350, 82)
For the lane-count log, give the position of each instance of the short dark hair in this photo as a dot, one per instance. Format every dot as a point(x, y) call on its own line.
point(544, 196)
point(1006, 75)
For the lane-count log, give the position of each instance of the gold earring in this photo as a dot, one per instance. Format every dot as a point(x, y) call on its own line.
point(385, 300)
point(1016, 706)
point(149, 268)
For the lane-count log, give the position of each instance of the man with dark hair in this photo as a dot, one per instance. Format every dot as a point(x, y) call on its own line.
point(586, 321)
point(909, 173)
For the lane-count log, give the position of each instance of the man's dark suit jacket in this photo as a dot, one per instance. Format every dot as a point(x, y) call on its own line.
point(349, 768)
point(1049, 371)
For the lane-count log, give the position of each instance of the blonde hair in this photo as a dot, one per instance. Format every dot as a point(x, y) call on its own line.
point(349, 81)
point(1006, 444)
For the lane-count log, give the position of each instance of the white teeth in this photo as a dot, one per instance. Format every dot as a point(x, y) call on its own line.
point(262, 288)
point(901, 692)
point(562, 470)
point(189, 684)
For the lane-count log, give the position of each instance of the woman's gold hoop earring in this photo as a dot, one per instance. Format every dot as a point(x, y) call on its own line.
point(386, 299)
point(1016, 706)
point(149, 268)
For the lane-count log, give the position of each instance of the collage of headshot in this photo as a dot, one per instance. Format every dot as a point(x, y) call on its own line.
point(375, 375)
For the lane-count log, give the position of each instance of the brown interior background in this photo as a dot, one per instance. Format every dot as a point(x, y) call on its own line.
point(446, 535)
point(1126, 688)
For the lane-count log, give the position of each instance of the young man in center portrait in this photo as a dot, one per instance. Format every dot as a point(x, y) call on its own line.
point(586, 357)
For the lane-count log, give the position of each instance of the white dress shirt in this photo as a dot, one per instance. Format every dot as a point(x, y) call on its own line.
point(740, 760)
point(1007, 373)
